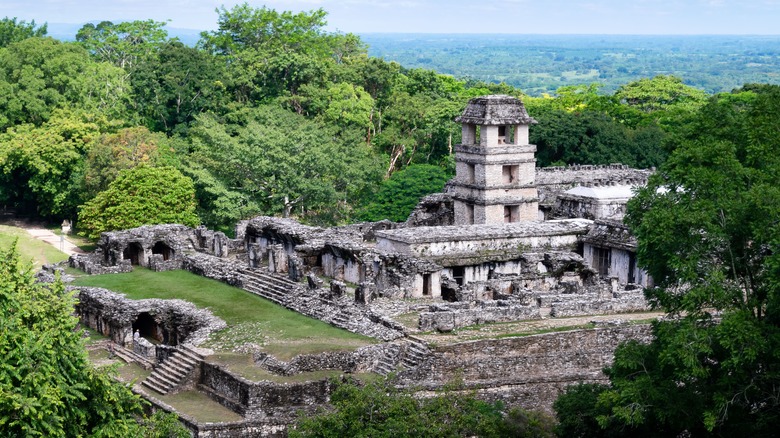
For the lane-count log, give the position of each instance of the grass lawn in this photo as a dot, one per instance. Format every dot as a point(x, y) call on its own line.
point(251, 319)
point(30, 248)
point(199, 406)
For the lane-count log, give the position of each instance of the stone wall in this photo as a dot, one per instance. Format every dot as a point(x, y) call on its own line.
point(530, 371)
point(168, 321)
point(263, 399)
point(445, 319)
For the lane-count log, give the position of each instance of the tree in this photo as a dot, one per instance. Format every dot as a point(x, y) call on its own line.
point(124, 44)
point(108, 154)
point(41, 75)
point(139, 196)
point(379, 409)
point(660, 93)
point(175, 85)
point(41, 165)
point(708, 233)
point(47, 385)
point(279, 162)
point(12, 31)
point(398, 195)
point(271, 54)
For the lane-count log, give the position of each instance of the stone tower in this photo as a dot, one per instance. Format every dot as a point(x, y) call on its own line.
point(495, 165)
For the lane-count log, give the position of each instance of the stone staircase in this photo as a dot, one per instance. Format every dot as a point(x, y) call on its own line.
point(267, 285)
point(172, 372)
point(403, 355)
point(342, 313)
point(416, 352)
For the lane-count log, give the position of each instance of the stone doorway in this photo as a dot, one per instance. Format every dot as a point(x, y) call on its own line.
point(163, 249)
point(134, 252)
point(148, 328)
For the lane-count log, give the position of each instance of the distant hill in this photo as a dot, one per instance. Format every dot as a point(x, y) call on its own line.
point(541, 63)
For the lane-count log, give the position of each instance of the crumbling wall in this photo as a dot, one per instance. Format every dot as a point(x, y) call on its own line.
point(434, 210)
point(531, 370)
point(263, 399)
point(444, 318)
point(113, 315)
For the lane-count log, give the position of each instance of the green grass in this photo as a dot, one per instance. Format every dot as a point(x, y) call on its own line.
point(200, 407)
point(30, 248)
point(242, 365)
point(251, 319)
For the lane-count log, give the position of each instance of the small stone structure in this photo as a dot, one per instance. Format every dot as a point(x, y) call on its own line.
point(610, 249)
point(141, 325)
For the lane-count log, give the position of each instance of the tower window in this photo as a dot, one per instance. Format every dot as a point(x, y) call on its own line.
point(510, 174)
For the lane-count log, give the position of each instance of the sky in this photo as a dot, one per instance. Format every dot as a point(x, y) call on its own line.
point(675, 17)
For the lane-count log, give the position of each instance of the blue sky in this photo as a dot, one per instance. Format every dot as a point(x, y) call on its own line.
point(443, 16)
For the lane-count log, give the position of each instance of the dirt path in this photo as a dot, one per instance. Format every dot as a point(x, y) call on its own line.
point(39, 232)
point(60, 242)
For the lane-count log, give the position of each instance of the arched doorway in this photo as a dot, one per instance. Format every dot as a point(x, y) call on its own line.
point(163, 249)
point(148, 328)
point(134, 252)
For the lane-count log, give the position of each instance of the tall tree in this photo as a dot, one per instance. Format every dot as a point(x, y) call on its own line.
point(272, 54)
point(125, 44)
point(176, 84)
point(12, 31)
point(110, 153)
point(40, 75)
point(279, 161)
point(40, 166)
point(708, 231)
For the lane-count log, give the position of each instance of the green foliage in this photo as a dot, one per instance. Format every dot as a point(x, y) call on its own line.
point(12, 31)
point(577, 410)
point(140, 196)
point(660, 93)
point(269, 160)
point(174, 85)
point(708, 233)
point(593, 137)
point(399, 194)
point(47, 386)
point(41, 165)
point(124, 44)
point(108, 154)
point(378, 409)
point(40, 75)
point(271, 54)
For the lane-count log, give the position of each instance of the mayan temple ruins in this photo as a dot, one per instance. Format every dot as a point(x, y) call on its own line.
point(505, 242)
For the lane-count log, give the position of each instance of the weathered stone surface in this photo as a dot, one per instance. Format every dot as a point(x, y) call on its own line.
point(444, 319)
point(531, 370)
point(168, 321)
point(433, 210)
point(496, 109)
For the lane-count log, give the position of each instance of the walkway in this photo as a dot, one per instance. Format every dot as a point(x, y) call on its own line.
point(60, 242)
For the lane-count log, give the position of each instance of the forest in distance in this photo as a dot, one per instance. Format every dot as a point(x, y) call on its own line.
point(271, 114)
point(540, 64)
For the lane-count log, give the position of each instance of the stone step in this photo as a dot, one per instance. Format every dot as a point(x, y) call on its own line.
point(171, 372)
point(265, 288)
point(153, 386)
point(270, 284)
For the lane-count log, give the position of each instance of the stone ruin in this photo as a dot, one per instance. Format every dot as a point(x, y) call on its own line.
point(145, 327)
point(505, 242)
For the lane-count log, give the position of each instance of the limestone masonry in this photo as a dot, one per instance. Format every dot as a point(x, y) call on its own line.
point(506, 242)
